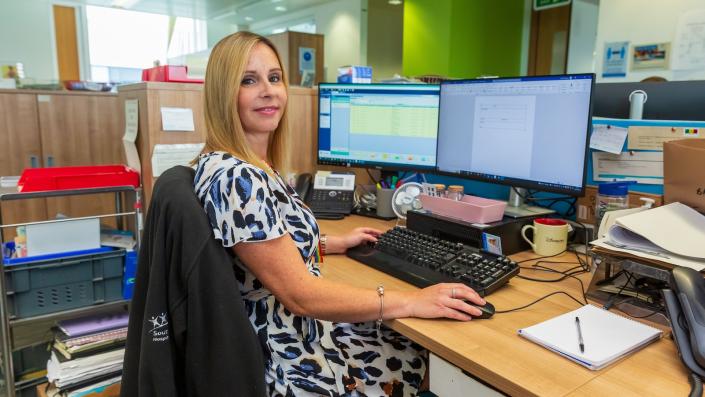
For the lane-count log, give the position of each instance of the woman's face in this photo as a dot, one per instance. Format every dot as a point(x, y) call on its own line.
point(262, 96)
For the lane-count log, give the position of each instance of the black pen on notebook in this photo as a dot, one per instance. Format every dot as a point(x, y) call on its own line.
point(580, 335)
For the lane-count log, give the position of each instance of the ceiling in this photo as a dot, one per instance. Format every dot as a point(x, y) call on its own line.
point(241, 12)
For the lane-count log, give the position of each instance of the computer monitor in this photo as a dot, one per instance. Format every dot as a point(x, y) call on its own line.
point(526, 132)
point(672, 100)
point(385, 126)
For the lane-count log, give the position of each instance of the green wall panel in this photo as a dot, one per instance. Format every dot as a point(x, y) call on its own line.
point(462, 38)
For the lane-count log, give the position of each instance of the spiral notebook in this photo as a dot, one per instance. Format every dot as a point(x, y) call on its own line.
point(606, 336)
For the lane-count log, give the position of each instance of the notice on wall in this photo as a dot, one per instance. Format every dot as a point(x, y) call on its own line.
point(689, 46)
point(177, 119)
point(608, 138)
point(651, 56)
point(307, 59)
point(132, 158)
point(615, 61)
point(642, 167)
point(167, 156)
point(653, 138)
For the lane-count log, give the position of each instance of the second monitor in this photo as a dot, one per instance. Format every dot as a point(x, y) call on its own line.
point(387, 126)
point(526, 132)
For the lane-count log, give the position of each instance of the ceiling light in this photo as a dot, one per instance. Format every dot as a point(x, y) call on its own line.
point(394, 2)
point(249, 19)
point(126, 4)
point(280, 8)
point(277, 1)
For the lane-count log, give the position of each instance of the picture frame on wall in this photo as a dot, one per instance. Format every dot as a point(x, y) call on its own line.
point(651, 56)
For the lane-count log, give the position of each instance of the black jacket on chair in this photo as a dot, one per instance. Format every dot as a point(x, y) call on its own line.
point(188, 333)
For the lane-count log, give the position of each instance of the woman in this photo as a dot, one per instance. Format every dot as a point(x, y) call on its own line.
point(318, 337)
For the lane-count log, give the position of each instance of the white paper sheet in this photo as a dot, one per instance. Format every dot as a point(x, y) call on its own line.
point(608, 138)
point(672, 259)
point(132, 157)
point(131, 120)
point(674, 227)
point(177, 119)
point(643, 167)
point(689, 48)
point(167, 156)
point(653, 138)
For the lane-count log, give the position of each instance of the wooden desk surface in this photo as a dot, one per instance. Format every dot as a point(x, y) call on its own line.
point(491, 350)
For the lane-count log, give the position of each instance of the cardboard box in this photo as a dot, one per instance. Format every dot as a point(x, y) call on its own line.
point(64, 236)
point(684, 172)
point(586, 204)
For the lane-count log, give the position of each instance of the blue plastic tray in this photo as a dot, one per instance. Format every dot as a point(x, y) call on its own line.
point(8, 247)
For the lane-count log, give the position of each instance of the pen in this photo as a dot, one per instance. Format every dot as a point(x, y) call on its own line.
point(580, 335)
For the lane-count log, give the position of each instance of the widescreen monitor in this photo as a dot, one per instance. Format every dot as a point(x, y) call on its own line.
point(385, 126)
point(528, 132)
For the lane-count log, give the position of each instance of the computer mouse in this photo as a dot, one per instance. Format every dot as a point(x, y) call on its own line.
point(487, 310)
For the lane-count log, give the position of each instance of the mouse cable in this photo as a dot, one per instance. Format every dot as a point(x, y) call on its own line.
point(612, 298)
point(539, 300)
point(564, 276)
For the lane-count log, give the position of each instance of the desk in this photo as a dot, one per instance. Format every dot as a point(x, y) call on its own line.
point(492, 351)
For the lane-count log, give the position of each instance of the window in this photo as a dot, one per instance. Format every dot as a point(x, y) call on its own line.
point(121, 43)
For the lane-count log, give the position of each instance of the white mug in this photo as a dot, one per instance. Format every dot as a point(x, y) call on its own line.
point(550, 236)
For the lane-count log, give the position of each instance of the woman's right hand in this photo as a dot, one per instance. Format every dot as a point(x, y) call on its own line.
point(445, 300)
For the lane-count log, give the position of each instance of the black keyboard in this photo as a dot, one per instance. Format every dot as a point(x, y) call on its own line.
point(424, 260)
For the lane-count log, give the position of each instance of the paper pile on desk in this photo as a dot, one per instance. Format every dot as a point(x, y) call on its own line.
point(674, 234)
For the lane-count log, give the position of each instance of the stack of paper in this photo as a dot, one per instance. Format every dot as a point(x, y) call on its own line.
point(673, 233)
point(64, 372)
point(87, 352)
point(90, 344)
point(93, 324)
point(606, 336)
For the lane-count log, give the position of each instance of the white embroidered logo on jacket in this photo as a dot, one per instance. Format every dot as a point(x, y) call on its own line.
point(158, 331)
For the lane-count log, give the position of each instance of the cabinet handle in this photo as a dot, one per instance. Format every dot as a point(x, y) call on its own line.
point(50, 161)
point(33, 162)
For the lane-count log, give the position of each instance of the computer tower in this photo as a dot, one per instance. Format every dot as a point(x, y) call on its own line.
point(508, 229)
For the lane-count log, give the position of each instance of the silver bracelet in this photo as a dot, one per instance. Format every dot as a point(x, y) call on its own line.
point(324, 243)
point(380, 293)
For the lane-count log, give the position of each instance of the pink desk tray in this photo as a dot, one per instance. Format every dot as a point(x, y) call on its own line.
point(470, 209)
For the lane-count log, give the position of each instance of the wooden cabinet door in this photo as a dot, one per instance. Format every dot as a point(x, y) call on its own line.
point(80, 129)
point(20, 148)
point(20, 145)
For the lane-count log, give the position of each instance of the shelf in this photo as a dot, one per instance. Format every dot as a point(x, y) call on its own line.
point(7, 194)
point(24, 384)
point(103, 307)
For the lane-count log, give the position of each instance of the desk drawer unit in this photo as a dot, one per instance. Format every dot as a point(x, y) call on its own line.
point(447, 380)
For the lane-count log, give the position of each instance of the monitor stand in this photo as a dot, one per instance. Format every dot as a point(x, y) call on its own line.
point(517, 209)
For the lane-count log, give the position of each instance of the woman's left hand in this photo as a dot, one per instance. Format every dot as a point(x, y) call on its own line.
point(359, 235)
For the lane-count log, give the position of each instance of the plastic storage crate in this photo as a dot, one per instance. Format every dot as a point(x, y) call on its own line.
point(52, 285)
point(30, 359)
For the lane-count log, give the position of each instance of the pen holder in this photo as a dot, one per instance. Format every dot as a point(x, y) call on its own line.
point(384, 203)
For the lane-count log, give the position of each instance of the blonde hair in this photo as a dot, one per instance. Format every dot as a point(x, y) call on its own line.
point(224, 132)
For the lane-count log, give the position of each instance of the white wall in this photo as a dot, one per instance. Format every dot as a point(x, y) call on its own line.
point(340, 22)
point(27, 36)
point(642, 22)
point(583, 32)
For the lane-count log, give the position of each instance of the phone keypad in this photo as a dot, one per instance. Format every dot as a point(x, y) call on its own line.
point(331, 200)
